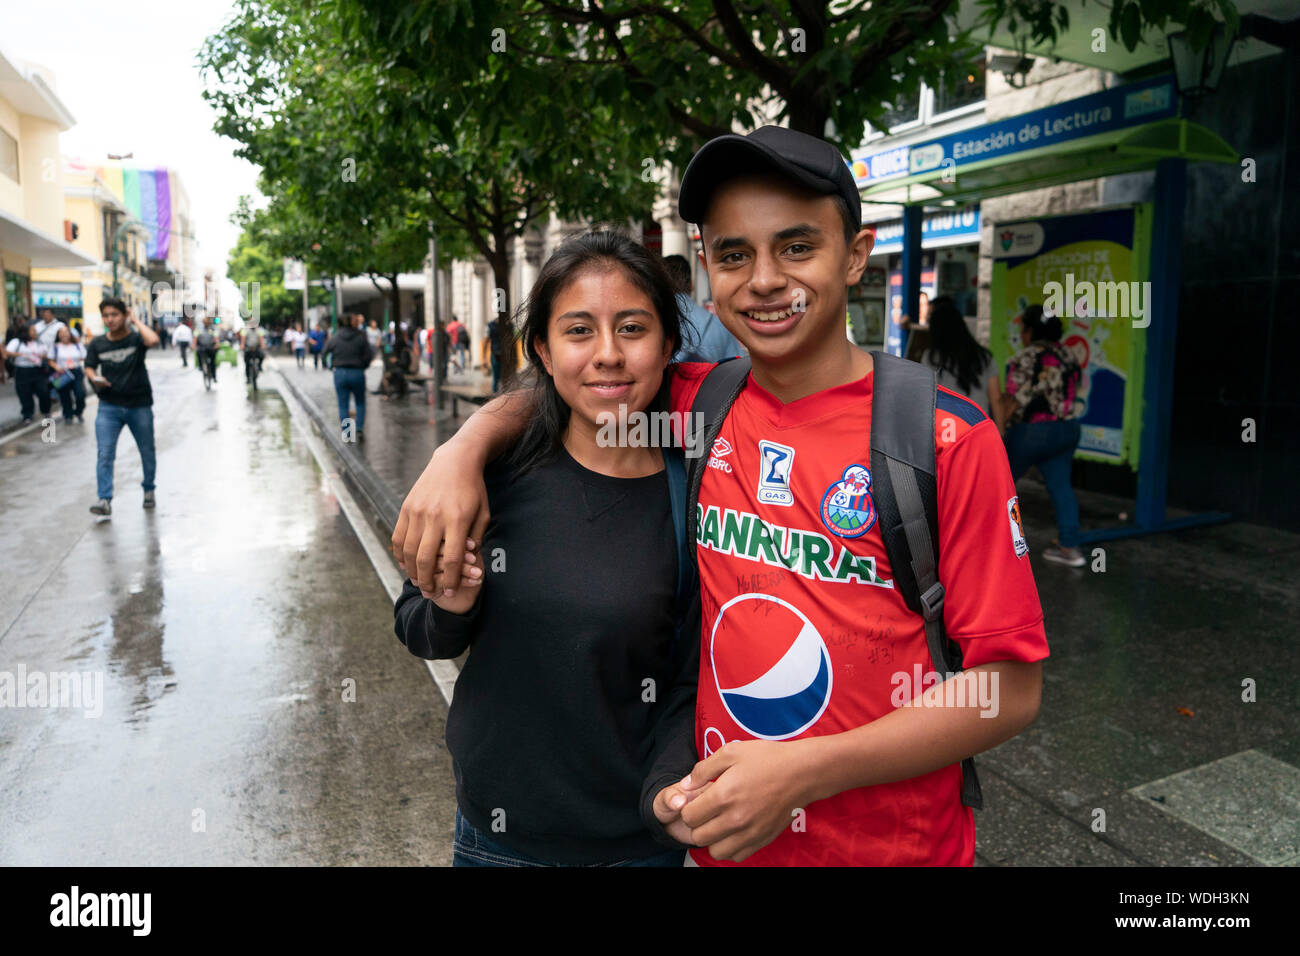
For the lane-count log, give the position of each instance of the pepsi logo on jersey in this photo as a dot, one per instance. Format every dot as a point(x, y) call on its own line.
point(770, 665)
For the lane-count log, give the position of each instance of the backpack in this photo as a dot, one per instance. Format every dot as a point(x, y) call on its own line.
point(462, 337)
point(904, 488)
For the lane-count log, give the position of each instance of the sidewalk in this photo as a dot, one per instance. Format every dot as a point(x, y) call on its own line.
point(1145, 752)
point(401, 435)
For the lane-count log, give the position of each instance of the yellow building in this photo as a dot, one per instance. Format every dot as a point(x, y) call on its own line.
point(98, 215)
point(31, 184)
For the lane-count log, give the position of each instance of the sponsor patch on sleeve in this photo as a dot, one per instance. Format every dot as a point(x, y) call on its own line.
point(1018, 542)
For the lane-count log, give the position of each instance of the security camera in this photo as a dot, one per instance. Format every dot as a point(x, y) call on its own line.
point(1013, 67)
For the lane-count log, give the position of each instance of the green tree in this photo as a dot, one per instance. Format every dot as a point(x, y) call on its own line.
point(366, 139)
point(254, 267)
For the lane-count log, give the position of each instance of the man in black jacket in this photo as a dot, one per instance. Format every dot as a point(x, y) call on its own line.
point(351, 355)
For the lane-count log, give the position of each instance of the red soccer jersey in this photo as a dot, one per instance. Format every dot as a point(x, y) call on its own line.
point(803, 631)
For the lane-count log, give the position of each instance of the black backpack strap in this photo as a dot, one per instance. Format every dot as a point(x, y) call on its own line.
point(717, 393)
point(903, 475)
point(676, 469)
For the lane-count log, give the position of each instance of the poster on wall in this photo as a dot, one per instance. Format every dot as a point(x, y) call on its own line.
point(1089, 269)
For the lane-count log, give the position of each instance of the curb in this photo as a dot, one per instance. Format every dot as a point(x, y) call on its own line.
point(383, 502)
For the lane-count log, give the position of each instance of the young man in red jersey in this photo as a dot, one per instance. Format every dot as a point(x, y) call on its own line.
point(822, 741)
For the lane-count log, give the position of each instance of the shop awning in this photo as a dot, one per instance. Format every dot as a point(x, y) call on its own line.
point(1105, 154)
point(44, 250)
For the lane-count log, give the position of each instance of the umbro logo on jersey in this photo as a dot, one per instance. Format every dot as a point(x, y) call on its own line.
point(721, 448)
point(774, 464)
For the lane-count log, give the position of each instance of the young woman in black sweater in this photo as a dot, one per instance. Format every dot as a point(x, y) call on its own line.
point(576, 704)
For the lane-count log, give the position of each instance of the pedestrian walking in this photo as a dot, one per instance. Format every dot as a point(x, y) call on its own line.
point(297, 340)
point(316, 339)
point(184, 337)
point(69, 356)
point(31, 364)
point(350, 353)
point(47, 329)
point(373, 335)
point(453, 337)
point(125, 396)
point(1041, 429)
point(959, 362)
point(576, 778)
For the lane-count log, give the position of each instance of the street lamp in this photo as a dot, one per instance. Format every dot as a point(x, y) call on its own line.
point(1197, 72)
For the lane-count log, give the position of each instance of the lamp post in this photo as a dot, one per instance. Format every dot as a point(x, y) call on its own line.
point(1197, 72)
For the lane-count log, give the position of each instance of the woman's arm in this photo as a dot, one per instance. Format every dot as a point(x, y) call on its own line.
point(448, 503)
point(673, 751)
point(429, 631)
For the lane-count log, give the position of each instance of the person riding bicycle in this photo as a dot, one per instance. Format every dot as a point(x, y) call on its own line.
point(252, 341)
point(205, 350)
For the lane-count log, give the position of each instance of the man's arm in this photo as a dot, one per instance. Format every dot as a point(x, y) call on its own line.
point(448, 503)
point(759, 783)
point(147, 335)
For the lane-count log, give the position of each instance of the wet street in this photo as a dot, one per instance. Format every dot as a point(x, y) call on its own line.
point(249, 702)
point(255, 706)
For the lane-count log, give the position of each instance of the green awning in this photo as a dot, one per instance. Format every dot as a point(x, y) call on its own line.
point(1106, 154)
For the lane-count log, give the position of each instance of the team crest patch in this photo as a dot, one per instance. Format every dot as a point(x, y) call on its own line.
point(1018, 541)
point(847, 508)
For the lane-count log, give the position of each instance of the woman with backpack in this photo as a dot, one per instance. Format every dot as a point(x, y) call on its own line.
point(1038, 409)
point(576, 707)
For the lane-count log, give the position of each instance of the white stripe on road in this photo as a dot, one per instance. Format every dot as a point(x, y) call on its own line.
point(21, 431)
point(444, 673)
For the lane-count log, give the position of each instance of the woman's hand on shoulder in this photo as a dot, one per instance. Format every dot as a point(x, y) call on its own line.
point(442, 520)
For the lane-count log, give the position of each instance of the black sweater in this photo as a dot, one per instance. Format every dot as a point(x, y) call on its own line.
point(554, 719)
point(351, 348)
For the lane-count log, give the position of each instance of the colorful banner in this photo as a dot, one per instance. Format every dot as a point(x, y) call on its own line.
point(146, 194)
point(1091, 270)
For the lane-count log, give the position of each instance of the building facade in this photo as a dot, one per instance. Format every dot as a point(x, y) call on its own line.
point(33, 231)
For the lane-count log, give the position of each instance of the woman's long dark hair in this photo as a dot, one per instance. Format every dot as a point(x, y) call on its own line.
point(952, 348)
point(600, 249)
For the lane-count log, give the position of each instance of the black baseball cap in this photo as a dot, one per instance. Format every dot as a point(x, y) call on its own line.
point(809, 161)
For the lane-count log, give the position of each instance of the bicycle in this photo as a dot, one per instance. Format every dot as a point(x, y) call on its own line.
point(254, 366)
point(208, 360)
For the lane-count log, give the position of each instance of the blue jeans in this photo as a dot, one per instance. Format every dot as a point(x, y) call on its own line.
point(473, 847)
point(108, 425)
point(301, 355)
point(1050, 446)
point(351, 381)
point(73, 396)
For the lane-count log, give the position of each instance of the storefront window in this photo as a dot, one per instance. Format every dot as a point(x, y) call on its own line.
point(960, 88)
point(18, 295)
point(906, 109)
point(8, 156)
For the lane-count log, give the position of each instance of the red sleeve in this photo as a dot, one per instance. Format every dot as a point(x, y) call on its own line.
point(991, 604)
point(685, 383)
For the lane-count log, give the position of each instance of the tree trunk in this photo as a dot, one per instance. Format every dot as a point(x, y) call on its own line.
point(501, 307)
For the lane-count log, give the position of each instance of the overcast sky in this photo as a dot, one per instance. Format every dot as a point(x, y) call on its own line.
point(126, 73)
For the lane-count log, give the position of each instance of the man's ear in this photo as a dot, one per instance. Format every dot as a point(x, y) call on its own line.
point(859, 252)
